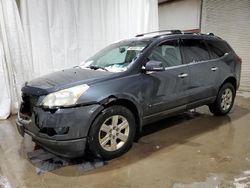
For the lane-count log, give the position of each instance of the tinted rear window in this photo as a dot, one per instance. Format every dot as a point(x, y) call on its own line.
point(194, 50)
point(218, 48)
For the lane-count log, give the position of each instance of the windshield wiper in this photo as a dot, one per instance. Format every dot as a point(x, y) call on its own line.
point(95, 67)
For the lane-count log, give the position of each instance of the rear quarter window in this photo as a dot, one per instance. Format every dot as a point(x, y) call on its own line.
point(218, 48)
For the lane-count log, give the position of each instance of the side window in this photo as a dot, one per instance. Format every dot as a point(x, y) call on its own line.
point(194, 50)
point(168, 53)
point(217, 48)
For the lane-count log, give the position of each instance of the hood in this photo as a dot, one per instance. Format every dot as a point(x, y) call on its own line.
point(64, 79)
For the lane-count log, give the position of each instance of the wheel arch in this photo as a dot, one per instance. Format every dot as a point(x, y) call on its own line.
point(113, 100)
point(128, 103)
point(231, 80)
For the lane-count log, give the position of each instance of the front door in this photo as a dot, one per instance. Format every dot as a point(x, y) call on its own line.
point(166, 89)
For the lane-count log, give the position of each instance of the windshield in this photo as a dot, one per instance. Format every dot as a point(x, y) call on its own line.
point(116, 57)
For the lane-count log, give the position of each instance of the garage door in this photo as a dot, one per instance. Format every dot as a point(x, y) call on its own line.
point(230, 20)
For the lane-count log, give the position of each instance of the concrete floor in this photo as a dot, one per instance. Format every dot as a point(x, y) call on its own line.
point(189, 150)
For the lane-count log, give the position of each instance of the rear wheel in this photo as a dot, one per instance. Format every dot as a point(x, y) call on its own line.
point(112, 133)
point(224, 101)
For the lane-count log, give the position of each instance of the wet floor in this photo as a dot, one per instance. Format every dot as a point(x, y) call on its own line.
point(194, 149)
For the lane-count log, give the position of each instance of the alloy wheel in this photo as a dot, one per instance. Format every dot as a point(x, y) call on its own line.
point(114, 133)
point(226, 99)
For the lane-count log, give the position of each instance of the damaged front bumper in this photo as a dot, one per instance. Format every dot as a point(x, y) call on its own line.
point(64, 148)
point(70, 143)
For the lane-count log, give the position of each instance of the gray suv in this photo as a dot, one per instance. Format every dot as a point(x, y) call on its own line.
point(100, 105)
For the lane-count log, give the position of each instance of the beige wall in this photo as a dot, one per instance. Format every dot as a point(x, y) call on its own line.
point(180, 14)
point(230, 20)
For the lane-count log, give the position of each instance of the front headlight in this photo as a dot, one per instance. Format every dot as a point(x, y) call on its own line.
point(65, 97)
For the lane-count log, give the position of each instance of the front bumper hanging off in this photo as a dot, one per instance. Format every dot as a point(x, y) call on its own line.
point(69, 145)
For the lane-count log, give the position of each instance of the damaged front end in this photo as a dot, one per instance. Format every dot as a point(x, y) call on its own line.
point(60, 130)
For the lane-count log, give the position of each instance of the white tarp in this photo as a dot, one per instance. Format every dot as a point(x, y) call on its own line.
point(62, 33)
point(14, 65)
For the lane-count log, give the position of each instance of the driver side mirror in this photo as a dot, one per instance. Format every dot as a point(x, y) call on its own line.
point(153, 65)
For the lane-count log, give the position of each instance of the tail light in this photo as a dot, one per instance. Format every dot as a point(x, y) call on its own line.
point(239, 59)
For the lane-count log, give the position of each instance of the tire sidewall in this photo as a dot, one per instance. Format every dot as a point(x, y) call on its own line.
point(94, 144)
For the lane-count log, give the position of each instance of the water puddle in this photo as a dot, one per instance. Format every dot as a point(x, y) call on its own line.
point(218, 181)
point(4, 182)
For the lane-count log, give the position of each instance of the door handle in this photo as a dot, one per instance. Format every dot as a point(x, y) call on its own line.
point(214, 68)
point(182, 75)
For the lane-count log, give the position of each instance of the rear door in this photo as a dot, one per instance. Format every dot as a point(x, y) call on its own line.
point(202, 77)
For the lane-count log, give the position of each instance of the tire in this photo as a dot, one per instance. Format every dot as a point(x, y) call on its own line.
point(224, 101)
point(105, 130)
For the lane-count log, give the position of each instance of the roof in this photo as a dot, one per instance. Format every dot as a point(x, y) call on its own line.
point(158, 35)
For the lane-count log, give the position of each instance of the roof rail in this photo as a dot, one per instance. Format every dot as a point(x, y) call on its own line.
point(164, 32)
point(198, 33)
point(161, 31)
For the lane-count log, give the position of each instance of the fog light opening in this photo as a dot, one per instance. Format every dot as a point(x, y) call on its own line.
point(61, 130)
point(55, 131)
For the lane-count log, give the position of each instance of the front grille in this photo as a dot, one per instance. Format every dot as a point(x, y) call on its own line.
point(28, 102)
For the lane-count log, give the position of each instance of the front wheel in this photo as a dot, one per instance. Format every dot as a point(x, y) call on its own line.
point(224, 101)
point(112, 133)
